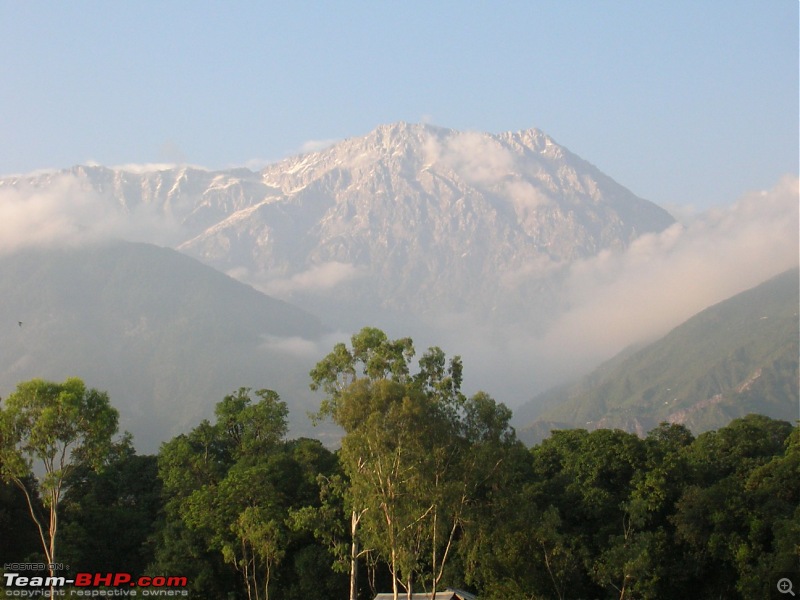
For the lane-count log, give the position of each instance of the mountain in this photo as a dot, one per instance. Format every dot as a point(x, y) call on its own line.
point(409, 219)
point(476, 242)
point(418, 215)
point(737, 357)
point(452, 238)
point(165, 335)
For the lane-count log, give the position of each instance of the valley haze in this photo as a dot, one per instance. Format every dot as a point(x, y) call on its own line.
point(507, 249)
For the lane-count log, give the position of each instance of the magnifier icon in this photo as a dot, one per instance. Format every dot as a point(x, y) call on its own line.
point(785, 586)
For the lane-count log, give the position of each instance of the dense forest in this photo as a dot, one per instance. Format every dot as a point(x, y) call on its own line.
point(428, 489)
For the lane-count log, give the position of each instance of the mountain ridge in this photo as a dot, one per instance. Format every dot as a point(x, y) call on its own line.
point(484, 244)
point(736, 356)
point(395, 220)
point(165, 335)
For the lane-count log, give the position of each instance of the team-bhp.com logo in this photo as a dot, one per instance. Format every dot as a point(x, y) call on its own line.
point(93, 585)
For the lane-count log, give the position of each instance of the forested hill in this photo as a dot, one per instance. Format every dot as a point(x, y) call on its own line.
point(165, 335)
point(737, 357)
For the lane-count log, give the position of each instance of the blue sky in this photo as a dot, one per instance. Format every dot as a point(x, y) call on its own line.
point(684, 102)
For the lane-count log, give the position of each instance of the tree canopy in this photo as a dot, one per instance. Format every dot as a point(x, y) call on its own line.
point(428, 489)
point(47, 431)
point(409, 450)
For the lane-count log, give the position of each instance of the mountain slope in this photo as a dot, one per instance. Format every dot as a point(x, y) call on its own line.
point(166, 336)
point(415, 219)
point(412, 217)
point(736, 357)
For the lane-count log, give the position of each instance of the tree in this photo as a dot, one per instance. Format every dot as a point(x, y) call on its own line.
point(372, 356)
point(586, 532)
point(326, 522)
point(773, 540)
point(494, 543)
point(19, 539)
point(737, 517)
point(407, 451)
point(231, 487)
point(107, 518)
point(221, 481)
point(47, 430)
point(386, 459)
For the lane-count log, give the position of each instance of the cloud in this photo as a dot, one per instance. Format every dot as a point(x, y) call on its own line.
point(293, 346)
point(661, 280)
point(310, 350)
point(62, 213)
point(619, 298)
point(318, 278)
point(171, 152)
point(317, 145)
point(255, 164)
point(66, 212)
point(144, 168)
point(476, 157)
point(525, 196)
point(608, 302)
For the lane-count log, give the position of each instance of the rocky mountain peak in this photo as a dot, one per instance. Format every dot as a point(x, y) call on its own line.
point(410, 217)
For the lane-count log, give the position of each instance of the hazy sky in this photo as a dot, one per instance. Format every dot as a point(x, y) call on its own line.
point(685, 102)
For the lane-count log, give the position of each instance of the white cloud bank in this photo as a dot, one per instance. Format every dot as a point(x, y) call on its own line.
point(476, 157)
point(620, 298)
point(309, 350)
point(663, 279)
point(318, 278)
point(67, 213)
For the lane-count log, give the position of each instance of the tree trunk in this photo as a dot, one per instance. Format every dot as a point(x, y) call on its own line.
point(51, 554)
point(353, 557)
point(395, 589)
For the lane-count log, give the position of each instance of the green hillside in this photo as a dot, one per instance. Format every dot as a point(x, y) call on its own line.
point(737, 357)
point(166, 336)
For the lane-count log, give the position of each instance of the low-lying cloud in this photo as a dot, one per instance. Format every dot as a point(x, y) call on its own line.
point(663, 279)
point(299, 347)
point(318, 278)
point(66, 212)
point(620, 298)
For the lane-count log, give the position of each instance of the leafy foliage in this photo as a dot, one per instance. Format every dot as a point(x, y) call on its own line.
point(411, 451)
point(109, 516)
point(429, 489)
point(47, 431)
point(232, 484)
